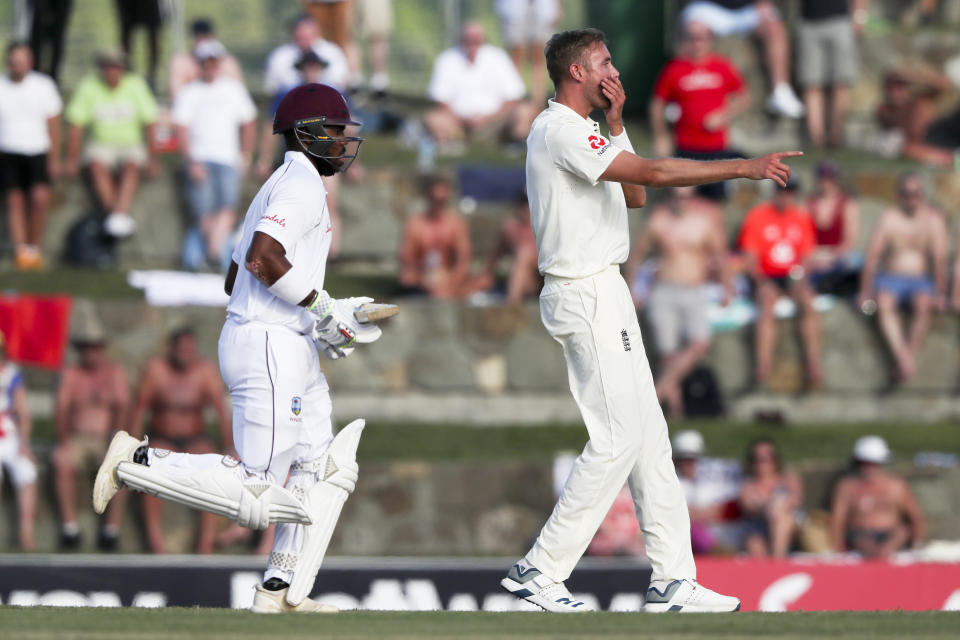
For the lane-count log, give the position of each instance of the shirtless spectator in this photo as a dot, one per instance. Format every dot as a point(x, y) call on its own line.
point(907, 238)
point(184, 66)
point(874, 511)
point(908, 117)
point(709, 93)
point(435, 254)
point(175, 391)
point(760, 17)
point(516, 240)
point(836, 222)
point(16, 458)
point(770, 500)
point(93, 401)
point(778, 238)
point(687, 234)
point(477, 91)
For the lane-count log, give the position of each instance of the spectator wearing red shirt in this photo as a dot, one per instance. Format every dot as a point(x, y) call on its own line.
point(778, 237)
point(709, 92)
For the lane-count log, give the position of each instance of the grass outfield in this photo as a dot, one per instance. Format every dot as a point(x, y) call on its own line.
point(182, 624)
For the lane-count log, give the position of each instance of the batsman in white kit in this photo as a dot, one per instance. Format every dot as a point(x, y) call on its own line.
point(278, 318)
point(580, 184)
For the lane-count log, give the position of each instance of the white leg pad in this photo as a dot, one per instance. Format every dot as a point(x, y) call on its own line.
point(338, 477)
point(221, 490)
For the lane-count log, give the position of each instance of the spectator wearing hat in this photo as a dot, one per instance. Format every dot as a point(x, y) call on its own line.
point(16, 458)
point(30, 109)
point(215, 120)
point(282, 74)
point(112, 109)
point(770, 501)
point(777, 238)
point(874, 511)
point(184, 66)
point(709, 93)
point(92, 402)
point(836, 221)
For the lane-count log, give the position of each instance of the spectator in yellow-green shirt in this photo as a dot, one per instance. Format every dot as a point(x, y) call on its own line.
point(113, 108)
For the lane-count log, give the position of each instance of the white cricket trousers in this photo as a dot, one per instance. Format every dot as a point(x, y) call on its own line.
point(595, 321)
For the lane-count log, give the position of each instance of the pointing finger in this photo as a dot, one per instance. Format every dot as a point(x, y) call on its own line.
point(788, 154)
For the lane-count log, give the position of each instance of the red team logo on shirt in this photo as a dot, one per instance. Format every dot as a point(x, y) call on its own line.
point(274, 218)
point(596, 142)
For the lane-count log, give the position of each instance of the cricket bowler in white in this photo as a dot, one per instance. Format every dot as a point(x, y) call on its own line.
point(580, 184)
point(277, 319)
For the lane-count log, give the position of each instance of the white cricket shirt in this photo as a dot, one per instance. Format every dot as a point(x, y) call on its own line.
point(213, 113)
point(475, 89)
point(25, 107)
point(290, 207)
point(580, 223)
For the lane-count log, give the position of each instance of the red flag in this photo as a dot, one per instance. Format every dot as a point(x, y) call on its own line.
point(36, 328)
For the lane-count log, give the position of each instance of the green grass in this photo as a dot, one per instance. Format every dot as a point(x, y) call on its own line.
point(142, 624)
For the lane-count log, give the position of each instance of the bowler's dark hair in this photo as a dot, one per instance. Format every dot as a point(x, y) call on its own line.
point(567, 47)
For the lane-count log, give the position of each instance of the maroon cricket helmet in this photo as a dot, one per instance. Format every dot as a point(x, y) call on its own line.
point(309, 104)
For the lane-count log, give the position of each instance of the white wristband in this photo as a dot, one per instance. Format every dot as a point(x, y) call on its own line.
point(623, 141)
point(293, 286)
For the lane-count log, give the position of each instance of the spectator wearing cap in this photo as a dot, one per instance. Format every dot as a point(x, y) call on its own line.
point(184, 67)
point(476, 91)
point(709, 93)
point(741, 17)
point(282, 73)
point(770, 501)
point(709, 492)
point(836, 221)
point(30, 109)
point(777, 238)
point(906, 264)
point(113, 109)
point(16, 458)
point(215, 119)
point(827, 59)
point(874, 511)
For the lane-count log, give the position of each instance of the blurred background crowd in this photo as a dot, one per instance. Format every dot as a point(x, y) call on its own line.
point(133, 134)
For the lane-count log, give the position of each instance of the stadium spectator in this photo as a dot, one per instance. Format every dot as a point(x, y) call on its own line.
point(146, 14)
point(526, 25)
point(710, 491)
point(709, 92)
point(48, 30)
point(16, 458)
point(92, 402)
point(827, 59)
point(687, 233)
point(113, 108)
point(374, 22)
point(770, 501)
point(740, 17)
point(435, 252)
point(175, 390)
point(516, 240)
point(836, 221)
point(477, 91)
point(908, 118)
point(908, 237)
point(874, 511)
point(184, 66)
point(282, 74)
point(216, 123)
point(30, 109)
point(333, 19)
point(778, 238)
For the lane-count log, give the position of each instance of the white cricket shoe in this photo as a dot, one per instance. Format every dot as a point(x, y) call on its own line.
point(107, 483)
point(266, 601)
point(687, 596)
point(119, 225)
point(783, 101)
point(529, 584)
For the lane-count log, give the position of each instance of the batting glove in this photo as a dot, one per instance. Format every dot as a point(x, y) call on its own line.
point(336, 330)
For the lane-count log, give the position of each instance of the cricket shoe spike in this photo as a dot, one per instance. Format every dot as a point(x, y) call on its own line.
point(267, 601)
point(527, 583)
point(687, 596)
point(107, 483)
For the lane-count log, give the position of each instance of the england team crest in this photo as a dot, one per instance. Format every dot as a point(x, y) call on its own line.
point(296, 405)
